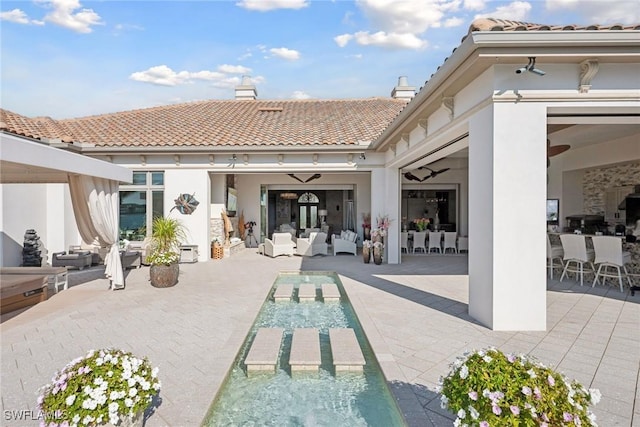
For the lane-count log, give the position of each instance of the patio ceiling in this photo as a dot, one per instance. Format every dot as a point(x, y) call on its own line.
point(27, 161)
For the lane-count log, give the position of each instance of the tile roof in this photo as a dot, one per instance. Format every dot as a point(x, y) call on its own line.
point(492, 24)
point(216, 123)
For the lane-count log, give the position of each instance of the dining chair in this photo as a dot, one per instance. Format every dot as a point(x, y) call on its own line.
point(554, 252)
point(576, 254)
point(404, 241)
point(609, 254)
point(463, 243)
point(419, 238)
point(434, 241)
point(450, 238)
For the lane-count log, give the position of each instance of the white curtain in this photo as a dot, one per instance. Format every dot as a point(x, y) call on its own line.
point(95, 205)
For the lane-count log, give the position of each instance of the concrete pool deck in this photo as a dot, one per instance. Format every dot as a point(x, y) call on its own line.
point(414, 315)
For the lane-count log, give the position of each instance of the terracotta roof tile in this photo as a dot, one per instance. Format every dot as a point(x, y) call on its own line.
point(218, 123)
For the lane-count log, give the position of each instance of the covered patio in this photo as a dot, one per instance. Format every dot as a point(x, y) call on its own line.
point(415, 316)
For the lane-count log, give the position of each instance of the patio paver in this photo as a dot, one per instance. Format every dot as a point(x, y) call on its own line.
point(414, 315)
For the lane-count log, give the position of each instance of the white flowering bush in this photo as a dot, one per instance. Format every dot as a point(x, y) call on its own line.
point(105, 386)
point(163, 258)
point(488, 388)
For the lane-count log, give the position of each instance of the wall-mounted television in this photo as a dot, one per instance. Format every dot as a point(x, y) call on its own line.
point(553, 211)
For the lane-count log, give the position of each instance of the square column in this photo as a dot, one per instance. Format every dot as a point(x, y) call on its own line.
point(507, 223)
point(385, 200)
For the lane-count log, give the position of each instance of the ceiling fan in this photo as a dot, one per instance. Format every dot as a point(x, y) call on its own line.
point(311, 178)
point(412, 177)
point(433, 173)
point(555, 150)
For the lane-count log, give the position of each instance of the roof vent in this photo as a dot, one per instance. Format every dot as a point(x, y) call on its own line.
point(403, 90)
point(246, 90)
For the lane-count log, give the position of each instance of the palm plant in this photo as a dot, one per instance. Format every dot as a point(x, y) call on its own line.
point(166, 237)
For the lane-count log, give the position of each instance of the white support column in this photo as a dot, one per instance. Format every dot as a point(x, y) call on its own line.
point(393, 196)
point(507, 193)
point(378, 194)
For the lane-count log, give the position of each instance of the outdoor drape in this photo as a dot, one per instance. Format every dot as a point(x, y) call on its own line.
point(95, 205)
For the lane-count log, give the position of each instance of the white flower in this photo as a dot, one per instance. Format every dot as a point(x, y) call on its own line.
point(444, 401)
point(99, 361)
point(133, 391)
point(487, 359)
point(70, 399)
point(457, 422)
point(531, 373)
point(128, 402)
point(473, 412)
point(113, 407)
point(154, 372)
point(464, 372)
point(98, 381)
point(461, 413)
point(114, 395)
point(76, 418)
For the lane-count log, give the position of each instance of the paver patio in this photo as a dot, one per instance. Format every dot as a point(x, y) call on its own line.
point(414, 315)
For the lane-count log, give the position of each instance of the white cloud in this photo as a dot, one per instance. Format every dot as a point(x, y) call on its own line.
point(165, 76)
point(516, 11)
point(474, 4)
point(414, 16)
point(266, 5)
point(382, 39)
point(453, 22)
point(233, 69)
point(64, 14)
point(284, 53)
point(343, 39)
point(298, 94)
point(604, 12)
point(17, 16)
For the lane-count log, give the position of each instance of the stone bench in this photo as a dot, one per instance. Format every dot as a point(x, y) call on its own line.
point(57, 275)
point(305, 350)
point(283, 292)
point(264, 351)
point(307, 292)
point(330, 292)
point(345, 350)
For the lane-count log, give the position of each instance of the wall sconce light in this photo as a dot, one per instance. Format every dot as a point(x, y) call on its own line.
point(289, 196)
point(531, 66)
point(362, 156)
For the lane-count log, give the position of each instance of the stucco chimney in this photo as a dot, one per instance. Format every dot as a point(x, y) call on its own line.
point(403, 90)
point(246, 90)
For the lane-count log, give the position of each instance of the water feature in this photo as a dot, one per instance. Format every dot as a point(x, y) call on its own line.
point(319, 399)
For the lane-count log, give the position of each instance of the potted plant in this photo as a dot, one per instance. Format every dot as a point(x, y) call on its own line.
point(366, 225)
point(166, 237)
point(366, 251)
point(105, 387)
point(378, 248)
point(488, 388)
point(216, 248)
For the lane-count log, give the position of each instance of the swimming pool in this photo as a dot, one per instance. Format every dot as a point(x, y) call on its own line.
point(323, 398)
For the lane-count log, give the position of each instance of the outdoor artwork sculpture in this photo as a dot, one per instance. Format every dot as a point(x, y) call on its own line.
point(186, 203)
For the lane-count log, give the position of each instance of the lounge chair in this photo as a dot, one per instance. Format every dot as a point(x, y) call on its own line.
point(279, 244)
point(79, 260)
point(344, 242)
point(315, 244)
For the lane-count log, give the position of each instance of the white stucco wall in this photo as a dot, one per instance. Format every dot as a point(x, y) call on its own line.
point(190, 181)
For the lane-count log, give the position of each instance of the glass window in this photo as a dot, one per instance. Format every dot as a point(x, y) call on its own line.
point(140, 202)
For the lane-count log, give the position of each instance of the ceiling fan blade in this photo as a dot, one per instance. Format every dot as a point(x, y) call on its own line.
point(557, 149)
point(312, 177)
point(295, 177)
point(411, 177)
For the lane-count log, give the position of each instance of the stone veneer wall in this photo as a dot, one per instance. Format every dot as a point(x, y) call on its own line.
point(217, 228)
point(596, 181)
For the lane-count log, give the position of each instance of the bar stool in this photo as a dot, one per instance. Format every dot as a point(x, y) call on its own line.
point(609, 254)
point(576, 253)
point(554, 252)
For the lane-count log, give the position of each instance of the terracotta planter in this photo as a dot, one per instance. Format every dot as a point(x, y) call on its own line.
point(377, 256)
point(164, 276)
point(366, 255)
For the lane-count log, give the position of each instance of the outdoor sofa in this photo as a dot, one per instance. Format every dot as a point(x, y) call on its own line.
point(279, 244)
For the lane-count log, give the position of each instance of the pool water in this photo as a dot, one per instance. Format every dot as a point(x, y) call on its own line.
point(306, 399)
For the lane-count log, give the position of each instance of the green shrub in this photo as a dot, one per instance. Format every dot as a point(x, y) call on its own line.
point(488, 388)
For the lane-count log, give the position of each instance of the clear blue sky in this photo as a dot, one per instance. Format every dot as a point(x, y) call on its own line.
point(74, 58)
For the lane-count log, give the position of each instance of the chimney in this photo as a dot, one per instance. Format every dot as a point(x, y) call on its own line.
point(403, 90)
point(246, 90)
